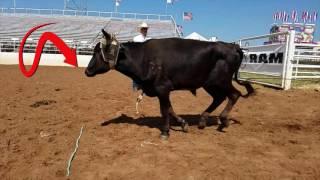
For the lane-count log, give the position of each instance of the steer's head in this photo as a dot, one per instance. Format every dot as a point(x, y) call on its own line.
point(105, 55)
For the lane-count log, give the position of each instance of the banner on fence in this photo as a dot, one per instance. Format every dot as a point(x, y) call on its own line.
point(265, 59)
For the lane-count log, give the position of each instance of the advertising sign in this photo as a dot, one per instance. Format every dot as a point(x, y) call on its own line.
point(266, 59)
point(304, 32)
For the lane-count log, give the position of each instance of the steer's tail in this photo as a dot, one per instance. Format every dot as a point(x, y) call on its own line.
point(246, 84)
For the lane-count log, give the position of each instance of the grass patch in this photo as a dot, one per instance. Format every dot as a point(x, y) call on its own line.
point(305, 83)
point(276, 80)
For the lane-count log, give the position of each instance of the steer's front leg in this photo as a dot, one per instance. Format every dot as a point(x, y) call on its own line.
point(164, 108)
point(184, 123)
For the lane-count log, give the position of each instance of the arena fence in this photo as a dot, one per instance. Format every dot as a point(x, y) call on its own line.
point(61, 12)
point(279, 64)
point(9, 49)
point(12, 45)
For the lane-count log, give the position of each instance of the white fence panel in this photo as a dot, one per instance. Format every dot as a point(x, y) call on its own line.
point(306, 61)
point(279, 64)
point(264, 64)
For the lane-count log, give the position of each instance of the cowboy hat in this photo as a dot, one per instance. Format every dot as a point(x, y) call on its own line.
point(143, 25)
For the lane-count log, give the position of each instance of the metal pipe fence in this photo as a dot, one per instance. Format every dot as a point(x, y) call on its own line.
point(306, 61)
point(262, 63)
point(99, 14)
point(85, 13)
point(30, 47)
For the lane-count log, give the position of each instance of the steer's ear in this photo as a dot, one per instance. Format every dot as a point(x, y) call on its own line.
point(107, 35)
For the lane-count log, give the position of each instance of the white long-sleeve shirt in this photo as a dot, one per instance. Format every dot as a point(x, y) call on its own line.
point(140, 38)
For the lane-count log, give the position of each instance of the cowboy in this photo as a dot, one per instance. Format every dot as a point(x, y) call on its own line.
point(143, 29)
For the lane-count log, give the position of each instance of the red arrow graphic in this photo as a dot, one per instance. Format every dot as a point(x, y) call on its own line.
point(69, 53)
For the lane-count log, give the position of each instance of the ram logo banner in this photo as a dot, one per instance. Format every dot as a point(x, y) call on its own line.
point(264, 58)
point(267, 59)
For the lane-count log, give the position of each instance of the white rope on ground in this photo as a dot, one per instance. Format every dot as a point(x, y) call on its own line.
point(74, 152)
point(147, 142)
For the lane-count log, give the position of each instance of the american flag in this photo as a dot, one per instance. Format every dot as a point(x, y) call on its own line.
point(305, 16)
point(315, 16)
point(310, 18)
point(294, 16)
point(276, 16)
point(286, 18)
point(282, 15)
point(187, 16)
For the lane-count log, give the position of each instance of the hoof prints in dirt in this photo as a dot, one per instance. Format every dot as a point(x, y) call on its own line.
point(43, 102)
point(293, 127)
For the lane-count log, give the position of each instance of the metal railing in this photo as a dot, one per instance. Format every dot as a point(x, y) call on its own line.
point(112, 15)
point(245, 41)
point(49, 48)
point(85, 13)
point(266, 74)
point(306, 61)
point(300, 61)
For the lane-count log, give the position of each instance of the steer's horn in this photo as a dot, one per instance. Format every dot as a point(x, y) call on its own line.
point(103, 42)
point(105, 34)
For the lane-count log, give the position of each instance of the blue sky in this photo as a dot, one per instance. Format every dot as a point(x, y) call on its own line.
point(227, 19)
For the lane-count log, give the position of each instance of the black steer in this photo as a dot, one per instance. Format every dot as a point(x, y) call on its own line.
point(160, 66)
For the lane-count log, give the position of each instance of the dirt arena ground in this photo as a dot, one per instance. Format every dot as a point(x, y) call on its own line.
point(41, 117)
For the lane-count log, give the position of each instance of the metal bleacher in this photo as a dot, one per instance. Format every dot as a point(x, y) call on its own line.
point(78, 29)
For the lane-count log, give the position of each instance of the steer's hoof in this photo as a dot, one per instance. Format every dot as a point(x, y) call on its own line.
point(185, 127)
point(202, 124)
point(224, 124)
point(221, 127)
point(164, 136)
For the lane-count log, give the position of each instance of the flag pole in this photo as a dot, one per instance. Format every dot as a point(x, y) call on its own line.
point(166, 7)
point(14, 5)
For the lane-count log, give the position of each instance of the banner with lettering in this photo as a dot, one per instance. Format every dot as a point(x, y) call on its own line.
point(264, 59)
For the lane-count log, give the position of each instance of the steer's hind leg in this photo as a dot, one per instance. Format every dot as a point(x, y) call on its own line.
point(233, 96)
point(164, 108)
point(218, 97)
